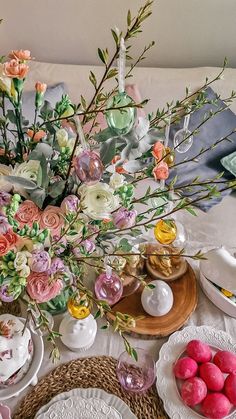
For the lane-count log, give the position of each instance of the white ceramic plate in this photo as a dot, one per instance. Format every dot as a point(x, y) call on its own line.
point(101, 405)
point(170, 351)
point(15, 389)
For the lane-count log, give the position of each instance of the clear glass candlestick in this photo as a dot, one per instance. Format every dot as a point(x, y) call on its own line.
point(136, 376)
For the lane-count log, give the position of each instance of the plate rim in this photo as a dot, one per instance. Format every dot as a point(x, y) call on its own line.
point(91, 392)
point(33, 370)
point(173, 403)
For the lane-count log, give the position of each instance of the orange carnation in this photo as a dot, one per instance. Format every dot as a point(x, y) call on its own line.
point(14, 69)
point(36, 136)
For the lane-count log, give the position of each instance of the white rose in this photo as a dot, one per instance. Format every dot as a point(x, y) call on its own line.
point(117, 180)
point(21, 260)
point(28, 170)
point(25, 271)
point(98, 201)
point(62, 137)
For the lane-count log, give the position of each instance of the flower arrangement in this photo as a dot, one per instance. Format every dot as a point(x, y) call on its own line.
point(67, 199)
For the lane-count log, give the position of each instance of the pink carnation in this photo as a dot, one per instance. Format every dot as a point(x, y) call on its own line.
point(161, 171)
point(70, 204)
point(123, 218)
point(41, 288)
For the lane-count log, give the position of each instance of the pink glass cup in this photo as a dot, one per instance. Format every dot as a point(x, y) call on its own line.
point(136, 376)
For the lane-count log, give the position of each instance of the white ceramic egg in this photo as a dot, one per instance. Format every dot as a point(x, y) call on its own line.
point(157, 301)
point(78, 334)
point(220, 268)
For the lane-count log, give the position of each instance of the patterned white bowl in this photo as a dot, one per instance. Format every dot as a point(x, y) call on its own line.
point(216, 297)
point(170, 351)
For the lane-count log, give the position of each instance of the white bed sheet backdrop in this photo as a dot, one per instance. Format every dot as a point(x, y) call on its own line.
point(205, 231)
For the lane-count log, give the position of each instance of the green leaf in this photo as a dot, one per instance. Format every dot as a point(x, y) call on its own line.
point(108, 151)
point(101, 56)
point(11, 116)
point(191, 211)
point(104, 135)
point(112, 73)
point(56, 189)
point(134, 354)
point(115, 36)
point(38, 196)
point(151, 286)
point(20, 181)
point(128, 18)
point(93, 79)
point(124, 245)
point(83, 102)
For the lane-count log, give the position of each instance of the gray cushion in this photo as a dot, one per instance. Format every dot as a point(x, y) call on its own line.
point(209, 164)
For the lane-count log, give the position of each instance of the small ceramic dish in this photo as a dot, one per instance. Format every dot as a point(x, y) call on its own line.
point(31, 375)
point(175, 267)
point(217, 297)
point(167, 385)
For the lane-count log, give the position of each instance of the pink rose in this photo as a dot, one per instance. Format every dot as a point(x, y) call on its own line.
point(41, 288)
point(161, 171)
point(124, 218)
point(40, 261)
point(20, 54)
point(15, 70)
point(52, 218)
point(158, 150)
point(27, 213)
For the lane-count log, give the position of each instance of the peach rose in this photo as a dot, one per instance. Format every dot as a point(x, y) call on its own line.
point(27, 213)
point(14, 69)
point(20, 54)
point(40, 87)
point(12, 238)
point(36, 136)
point(4, 245)
point(161, 171)
point(158, 151)
point(41, 288)
point(52, 218)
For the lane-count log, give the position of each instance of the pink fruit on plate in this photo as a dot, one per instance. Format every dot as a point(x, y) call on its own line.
point(216, 406)
point(185, 368)
point(226, 361)
point(212, 376)
point(230, 388)
point(193, 391)
point(199, 351)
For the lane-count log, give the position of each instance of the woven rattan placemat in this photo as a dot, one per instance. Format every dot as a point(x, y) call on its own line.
point(11, 308)
point(93, 372)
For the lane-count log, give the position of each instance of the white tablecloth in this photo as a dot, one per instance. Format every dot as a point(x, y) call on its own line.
point(209, 230)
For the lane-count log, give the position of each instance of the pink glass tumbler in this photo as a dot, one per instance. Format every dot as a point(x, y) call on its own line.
point(136, 376)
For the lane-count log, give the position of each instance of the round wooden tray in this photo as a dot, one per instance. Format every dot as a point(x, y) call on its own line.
point(148, 327)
